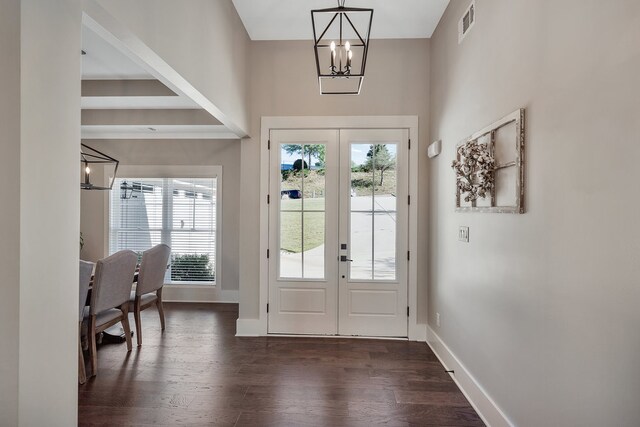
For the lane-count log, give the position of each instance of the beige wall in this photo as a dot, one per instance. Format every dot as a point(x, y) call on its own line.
point(9, 212)
point(40, 134)
point(542, 308)
point(225, 153)
point(205, 42)
point(284, 83)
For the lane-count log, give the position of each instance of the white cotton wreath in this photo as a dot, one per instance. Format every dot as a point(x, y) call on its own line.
point(474, 170)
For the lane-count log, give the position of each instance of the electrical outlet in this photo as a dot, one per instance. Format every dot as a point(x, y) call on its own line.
point(463, 234)
point(438, 320)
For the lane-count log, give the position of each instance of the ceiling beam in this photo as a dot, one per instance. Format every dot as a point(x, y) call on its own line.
point(156, 132)
point(125, 88)
point(136, 102)
point(149, 117)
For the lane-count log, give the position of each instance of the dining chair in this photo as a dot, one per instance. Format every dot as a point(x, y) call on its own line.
point(86, 269)
point(149, 288)
point(112, 284)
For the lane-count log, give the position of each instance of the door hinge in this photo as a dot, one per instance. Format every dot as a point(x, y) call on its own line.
point(408, 200)
point(268, 144)
point(267, 307)
point(267, 253)
point(408, 255)
point(407, 311)
point(409, 143)
point(268, 198)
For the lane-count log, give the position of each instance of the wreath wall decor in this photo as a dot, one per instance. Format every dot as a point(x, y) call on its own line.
point(489, 168)
point(474, 170)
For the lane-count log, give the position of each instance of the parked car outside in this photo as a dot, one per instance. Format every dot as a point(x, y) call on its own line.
point(291, 194)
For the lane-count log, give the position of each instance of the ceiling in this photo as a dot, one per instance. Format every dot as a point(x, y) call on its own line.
point(102, 61)
point(122, 99)
point(291, 19)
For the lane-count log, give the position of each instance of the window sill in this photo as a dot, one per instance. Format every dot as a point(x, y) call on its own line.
point(191, 284)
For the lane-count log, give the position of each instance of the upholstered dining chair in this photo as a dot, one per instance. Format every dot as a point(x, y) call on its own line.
point(149, 288)
point(86, 269)
point(112, 284)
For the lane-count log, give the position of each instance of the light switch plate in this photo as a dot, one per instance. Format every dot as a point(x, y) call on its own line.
point(463, 234)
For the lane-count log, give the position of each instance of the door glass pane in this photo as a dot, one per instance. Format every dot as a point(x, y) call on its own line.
point(384, 249)
point(373, 211)
point(292, 176)
point(314, 185)
point(302, 205)
point(384, 161)
point(361, 179)
point(313, 259)
point(361, 244)
point(291, 244)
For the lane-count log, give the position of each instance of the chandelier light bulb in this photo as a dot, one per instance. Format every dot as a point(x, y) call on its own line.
point(347, 46)
point(333, 46)
point(87, 169)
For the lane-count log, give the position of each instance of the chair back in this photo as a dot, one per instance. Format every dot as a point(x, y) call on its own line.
point(86, 269)
point(153, 269)
point(113, 280)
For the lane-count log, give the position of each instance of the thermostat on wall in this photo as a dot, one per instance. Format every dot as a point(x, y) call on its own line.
point(434, 149)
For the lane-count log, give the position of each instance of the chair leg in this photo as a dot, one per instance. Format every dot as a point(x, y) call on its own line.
point(93, 350)
point(136, 316)
point(160, 308)
point(125, 324)
point(82, 374)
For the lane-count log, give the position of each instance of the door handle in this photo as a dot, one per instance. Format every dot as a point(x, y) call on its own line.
point(343, 258)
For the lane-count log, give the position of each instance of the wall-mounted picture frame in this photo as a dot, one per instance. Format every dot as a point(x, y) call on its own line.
point(489, 168)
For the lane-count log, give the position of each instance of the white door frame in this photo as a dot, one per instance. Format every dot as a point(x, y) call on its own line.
point(340, 122)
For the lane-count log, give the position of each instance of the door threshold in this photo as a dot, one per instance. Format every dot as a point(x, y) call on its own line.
point(338, 336)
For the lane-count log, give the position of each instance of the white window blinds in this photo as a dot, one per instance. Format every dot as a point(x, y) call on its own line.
point(179, 212)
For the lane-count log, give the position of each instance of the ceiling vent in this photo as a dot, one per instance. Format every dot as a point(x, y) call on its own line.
point(466, 22)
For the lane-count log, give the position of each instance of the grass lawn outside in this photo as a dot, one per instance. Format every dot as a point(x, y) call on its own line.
point(291, 235)
point(291, 219)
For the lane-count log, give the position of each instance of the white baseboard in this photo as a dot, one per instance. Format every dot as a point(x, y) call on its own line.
point(248, 328)
point(486, 408)
point(198, 293)
point(419, 333)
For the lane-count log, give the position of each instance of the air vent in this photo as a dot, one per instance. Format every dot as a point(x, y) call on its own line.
point(466, 22)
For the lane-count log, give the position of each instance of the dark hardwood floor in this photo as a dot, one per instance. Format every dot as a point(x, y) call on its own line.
point(198, 373)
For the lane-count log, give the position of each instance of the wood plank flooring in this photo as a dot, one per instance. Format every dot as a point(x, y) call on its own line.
point(198, 373)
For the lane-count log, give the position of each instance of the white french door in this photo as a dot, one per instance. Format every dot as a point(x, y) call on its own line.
point(338, 232)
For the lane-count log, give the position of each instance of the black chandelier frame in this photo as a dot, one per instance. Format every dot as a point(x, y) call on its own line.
point(89, 156)
point(341, 13)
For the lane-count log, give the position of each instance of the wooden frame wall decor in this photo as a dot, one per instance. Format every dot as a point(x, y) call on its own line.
point(505, 142)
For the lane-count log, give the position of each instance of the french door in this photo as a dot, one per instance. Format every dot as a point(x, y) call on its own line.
point(338, 232)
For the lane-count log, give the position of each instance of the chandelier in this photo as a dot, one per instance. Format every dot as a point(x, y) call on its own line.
point(341, 47)
point(89, 157)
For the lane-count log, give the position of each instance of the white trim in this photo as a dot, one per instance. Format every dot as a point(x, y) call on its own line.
point(421, 333)
point(152, 131)
point(137, 102)
point(183, 292)
point(248, 328)
point(195, 293)
point(338, 122)
point(484, 405)
point(340, 337)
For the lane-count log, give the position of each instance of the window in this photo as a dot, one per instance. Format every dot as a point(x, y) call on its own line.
point(179, 212)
